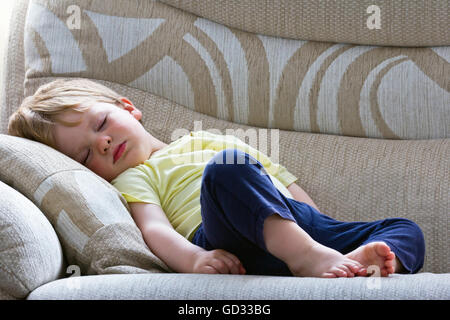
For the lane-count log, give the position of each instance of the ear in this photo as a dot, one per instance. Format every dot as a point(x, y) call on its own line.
point(129, 106)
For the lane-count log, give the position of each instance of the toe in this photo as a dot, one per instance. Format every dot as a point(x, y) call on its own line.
point(390, 270)
point(339, 271)
point(389, 263)
point(385, 272)
point(382, 249)
point(362, 272)
point(329, 275)
point(348, 270)
point(354, 267)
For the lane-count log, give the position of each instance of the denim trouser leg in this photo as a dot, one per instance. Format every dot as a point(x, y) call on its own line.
point(237, 196)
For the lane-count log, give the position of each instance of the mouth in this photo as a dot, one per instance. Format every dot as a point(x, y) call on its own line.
point(119, 150)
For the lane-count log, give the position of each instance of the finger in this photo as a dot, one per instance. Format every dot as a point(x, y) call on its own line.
point(209, 270)
point(232, 265)
point(229, 259)
point(227, 265)
point(220, 266)
point(232, 262)
point(242, 269)
point(232, 257)
point(239, 267)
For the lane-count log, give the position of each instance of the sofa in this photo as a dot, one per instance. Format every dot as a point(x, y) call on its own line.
point(352, 97)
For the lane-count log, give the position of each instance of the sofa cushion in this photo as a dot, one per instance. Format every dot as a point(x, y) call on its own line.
point(246, 78)
point(30, 252)
point(420, 286)
point(90, 217)
point(344, 21)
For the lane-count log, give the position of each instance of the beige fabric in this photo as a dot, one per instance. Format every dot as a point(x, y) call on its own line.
point(13, 65)
point(411, 23)
point(420, 286)
point(90, 217)
point(30, 252)
point(351, 179)
point(246, 78)
point(5, 295)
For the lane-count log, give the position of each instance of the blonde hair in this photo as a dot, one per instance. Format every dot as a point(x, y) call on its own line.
point(38, 113)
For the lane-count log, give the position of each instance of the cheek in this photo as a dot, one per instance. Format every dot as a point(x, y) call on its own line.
point(100, 169)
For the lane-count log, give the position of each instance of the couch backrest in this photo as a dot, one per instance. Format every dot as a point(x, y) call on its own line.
point(412, 23)
point(254, 79)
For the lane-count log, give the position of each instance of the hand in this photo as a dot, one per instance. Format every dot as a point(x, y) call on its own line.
point(217, 261)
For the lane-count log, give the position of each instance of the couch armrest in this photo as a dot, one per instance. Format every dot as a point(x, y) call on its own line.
point(30, 252)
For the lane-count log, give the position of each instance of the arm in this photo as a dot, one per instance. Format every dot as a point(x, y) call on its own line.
point(176, 251)
point(300, 195)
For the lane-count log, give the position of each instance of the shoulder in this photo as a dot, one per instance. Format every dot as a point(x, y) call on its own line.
point(140, 171)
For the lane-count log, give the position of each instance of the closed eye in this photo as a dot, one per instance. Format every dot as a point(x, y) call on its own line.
point(103, 123)
point(86, 158)
point(89, 150)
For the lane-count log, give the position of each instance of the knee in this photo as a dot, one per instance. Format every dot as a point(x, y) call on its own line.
point(417, 241)
point(418, 232)
point(412, 229)
point(232, 157)
point(229, 163)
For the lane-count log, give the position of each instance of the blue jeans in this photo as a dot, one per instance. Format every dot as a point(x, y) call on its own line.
point(237, 196)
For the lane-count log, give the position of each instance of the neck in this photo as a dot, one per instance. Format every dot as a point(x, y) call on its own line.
point(156, 145)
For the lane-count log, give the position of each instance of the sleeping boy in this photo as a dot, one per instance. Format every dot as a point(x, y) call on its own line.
point(210, 203)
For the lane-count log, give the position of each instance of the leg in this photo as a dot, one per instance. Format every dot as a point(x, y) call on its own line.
point(397, 245)
point(391, 244)
point(236, 199)
point(227, 207)
point(286, 240)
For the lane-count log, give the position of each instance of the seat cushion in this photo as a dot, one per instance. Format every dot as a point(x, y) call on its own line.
point(244, 287)
point(89, 215)
point(30, 252)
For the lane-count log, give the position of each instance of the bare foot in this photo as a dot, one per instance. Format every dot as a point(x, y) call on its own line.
point(375, 254)
point(321, 261)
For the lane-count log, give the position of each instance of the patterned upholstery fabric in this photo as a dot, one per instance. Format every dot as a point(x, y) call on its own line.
point(246, 78)
point(412, 23)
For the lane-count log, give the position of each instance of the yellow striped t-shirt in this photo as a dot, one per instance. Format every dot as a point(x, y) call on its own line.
point(171, 177)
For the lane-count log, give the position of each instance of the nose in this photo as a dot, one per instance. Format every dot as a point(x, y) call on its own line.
point(103, 144)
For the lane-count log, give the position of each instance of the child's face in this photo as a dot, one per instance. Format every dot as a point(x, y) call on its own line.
point(108, 139)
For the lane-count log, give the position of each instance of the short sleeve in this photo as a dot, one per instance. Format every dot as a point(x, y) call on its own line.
point(135, 186)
